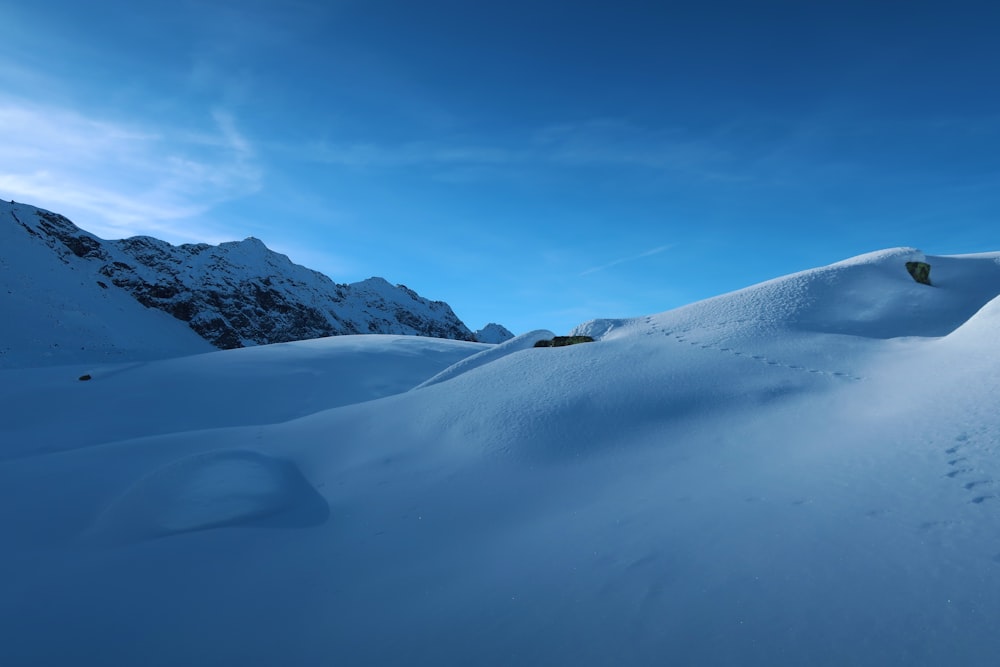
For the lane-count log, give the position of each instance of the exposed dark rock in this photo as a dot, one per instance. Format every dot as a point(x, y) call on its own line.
point(563, 341)
point(920, 271)
point(80, 243)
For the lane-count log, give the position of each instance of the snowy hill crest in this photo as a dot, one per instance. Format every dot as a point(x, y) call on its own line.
point(235, 294)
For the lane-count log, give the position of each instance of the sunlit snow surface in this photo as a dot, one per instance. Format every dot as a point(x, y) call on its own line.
point(804, 472)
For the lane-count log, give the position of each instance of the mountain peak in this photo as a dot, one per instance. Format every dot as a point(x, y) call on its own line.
point(254, 243)
point(493, 333)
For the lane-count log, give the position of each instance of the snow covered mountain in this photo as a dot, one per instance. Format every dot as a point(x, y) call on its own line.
point(803, 472)
point(57, 308)
point(232, 295)
point(493, 333)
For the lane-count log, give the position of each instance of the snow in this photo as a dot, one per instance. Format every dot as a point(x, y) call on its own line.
point(493, 333)
point(516, 344)
point(801, 472)
point(54, 313)
point(210, 490)
point(249, 386)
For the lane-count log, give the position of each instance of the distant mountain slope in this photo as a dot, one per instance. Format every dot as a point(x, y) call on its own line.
point(57, 309)
point(233, 295)
point(493, 333)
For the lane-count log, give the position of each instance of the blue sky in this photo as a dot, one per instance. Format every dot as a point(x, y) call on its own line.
point(537, 163)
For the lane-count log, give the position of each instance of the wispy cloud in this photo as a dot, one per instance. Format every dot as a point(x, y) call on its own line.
point(771, 151)
point(613, 142)
point(631, 258)
point(125, 178)
point(373, 155)
point(593, 143)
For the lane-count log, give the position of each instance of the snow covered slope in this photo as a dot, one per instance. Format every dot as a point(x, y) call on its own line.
point(259, 385)
point(233, 295)
point(870, 296)
point(804, 472)
point(490, 355)
point(493, 333)
point(56, 309)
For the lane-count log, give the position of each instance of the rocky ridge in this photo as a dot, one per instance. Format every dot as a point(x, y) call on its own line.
point(238, 294)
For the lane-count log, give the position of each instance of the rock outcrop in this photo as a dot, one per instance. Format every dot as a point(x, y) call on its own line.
point(920, 271)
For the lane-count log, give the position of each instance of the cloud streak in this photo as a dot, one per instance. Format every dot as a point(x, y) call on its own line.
point(631, 258)
point(595, 143)
point(373, 155)
point(125, 179)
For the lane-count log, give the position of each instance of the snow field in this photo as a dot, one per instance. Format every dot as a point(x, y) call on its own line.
point(802, 472)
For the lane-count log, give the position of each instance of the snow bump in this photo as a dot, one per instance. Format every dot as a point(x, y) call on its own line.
point(213, 490)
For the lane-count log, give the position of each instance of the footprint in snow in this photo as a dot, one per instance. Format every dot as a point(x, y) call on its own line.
point(980, 499)
point(929, 525)
point(759, 357)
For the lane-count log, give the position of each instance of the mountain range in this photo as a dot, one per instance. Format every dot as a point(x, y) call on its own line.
point(110, 297)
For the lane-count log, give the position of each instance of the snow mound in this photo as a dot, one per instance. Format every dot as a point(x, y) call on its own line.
point(870, 296)
point(516, 344)
point(212, 490)
point(980, 331)
point(874, 296)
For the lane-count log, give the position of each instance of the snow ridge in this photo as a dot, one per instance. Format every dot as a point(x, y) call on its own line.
point(522, 342)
